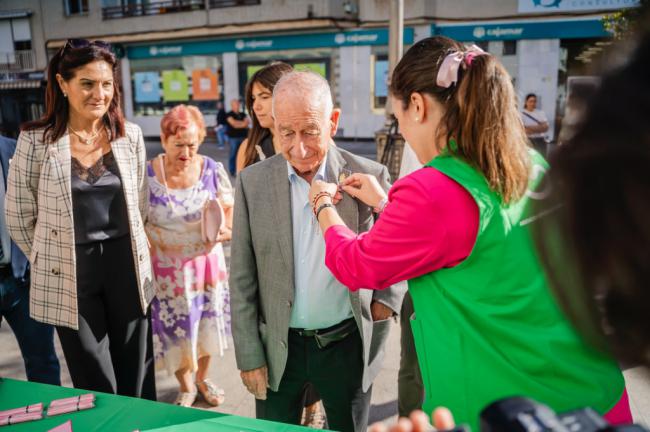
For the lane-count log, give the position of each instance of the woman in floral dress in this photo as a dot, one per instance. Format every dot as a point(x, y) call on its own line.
point(191, 312)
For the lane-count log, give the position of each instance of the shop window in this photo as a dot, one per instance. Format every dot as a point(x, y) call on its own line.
point(509, 47)
point(160, 84)
point(75, 7)
point(379, 81)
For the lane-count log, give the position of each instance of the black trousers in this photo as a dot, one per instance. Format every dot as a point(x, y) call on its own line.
point(410, 388)
point(112, 351)
point(335, 371)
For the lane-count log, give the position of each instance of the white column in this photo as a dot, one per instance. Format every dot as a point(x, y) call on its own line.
point(230, 78)
point(357, 117)
point(127, 89)
point(539, 62)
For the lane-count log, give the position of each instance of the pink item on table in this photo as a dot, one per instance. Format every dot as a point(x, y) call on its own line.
point(65, 427)
point(22, 410)
point(70, 407)
point(20, 418)
point(81, 398)
point(430, 222)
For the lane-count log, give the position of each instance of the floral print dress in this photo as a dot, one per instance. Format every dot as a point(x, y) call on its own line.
point(190, 314)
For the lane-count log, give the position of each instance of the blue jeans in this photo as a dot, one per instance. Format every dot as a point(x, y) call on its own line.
point(234, 143)
point(222, 138)
point(35, 339)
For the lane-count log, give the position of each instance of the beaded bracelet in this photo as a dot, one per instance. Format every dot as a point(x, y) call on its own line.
point(320, 195)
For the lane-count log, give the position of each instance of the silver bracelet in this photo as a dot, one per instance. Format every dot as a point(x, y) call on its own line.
point(381, 206)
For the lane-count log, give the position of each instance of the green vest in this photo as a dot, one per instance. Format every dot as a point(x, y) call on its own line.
point(489, 328)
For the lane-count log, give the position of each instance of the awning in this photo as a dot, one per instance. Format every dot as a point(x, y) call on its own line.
point(20, 84)
point(16, 13)
point(205, 32)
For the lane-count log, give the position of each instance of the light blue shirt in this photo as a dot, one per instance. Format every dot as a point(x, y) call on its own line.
point(320, 301)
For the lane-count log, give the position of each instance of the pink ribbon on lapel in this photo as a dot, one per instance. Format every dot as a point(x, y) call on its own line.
point(448, 71)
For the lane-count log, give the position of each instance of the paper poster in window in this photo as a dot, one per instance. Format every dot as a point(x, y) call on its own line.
point(147, 87)
point(175, 86)
point(205, 84)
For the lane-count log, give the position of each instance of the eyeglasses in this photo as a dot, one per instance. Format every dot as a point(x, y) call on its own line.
point(83, 43)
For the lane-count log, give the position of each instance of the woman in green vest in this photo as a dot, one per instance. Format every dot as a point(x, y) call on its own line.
point(485, 325)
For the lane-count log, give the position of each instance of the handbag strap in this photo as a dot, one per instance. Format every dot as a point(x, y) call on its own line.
point(531, 117)
point(164, 179)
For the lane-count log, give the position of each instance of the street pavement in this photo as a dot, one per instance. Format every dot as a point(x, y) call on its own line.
point(224, 370)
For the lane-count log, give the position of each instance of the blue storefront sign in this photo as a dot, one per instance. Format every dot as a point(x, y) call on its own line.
point(266, 43)
point(527, 30)
point(546, 6)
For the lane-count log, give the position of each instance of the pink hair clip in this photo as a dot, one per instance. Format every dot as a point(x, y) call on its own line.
point(448, 71)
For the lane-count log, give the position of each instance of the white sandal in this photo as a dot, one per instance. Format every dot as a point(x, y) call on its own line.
point(185, 399)
point(212, 394)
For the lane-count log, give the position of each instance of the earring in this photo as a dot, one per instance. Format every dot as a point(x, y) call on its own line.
point(417, 119)
point(65, 95)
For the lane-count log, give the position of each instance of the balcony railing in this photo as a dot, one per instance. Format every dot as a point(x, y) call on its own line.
point(229, 3)
point(151, 8)
point(24, 60)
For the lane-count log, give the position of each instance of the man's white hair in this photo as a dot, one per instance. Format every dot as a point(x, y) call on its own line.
point(307, 84)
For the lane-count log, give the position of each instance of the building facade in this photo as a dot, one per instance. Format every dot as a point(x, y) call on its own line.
point(200, 51)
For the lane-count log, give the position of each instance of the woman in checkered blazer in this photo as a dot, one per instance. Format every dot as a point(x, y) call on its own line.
point(75, 204)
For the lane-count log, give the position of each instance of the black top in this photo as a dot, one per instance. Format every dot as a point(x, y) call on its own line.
point(236, 132)
point(221, 117)
point(267, 148)
point(98, 202)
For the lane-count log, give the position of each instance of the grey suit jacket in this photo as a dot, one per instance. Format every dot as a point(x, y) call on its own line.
point(262, 270)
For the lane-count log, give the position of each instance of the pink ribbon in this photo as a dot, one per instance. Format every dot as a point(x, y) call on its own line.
point(448, 71)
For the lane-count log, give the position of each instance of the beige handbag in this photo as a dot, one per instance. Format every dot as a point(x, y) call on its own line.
point(213, 219)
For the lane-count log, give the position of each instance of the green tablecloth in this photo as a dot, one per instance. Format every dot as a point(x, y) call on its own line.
point(119, 413)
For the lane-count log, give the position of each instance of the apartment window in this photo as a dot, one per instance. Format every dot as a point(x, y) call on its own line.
point(75, 7)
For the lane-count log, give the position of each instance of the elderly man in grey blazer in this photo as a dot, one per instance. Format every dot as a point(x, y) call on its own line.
point(293, 322)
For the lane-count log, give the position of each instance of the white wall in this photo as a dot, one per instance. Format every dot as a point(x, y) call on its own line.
point(539, 62)
point(357, 118)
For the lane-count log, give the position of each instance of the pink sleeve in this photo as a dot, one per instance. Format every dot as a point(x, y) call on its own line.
point(430, 222)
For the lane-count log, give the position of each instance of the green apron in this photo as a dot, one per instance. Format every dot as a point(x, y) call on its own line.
point(489, 328)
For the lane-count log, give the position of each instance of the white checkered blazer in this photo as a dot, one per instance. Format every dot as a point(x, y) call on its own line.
point(39, 218)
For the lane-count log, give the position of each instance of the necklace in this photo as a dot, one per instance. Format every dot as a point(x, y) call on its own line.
point(88, 140)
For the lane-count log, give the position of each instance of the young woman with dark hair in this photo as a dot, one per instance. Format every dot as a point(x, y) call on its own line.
point(259, 91)
point(485, 324)
point(76, 202)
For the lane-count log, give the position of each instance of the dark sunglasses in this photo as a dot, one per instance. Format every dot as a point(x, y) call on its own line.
point(83, 43)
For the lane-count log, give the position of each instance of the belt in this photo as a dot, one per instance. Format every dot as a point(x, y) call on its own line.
point(329, 335)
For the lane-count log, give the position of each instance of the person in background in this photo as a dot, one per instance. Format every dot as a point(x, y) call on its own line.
point(260, 145)
point(237, 130)
point(191, 310)
point(35, 339)
point(76, 205)
point(293, 323)
point(486, 325)
point(222, 124)
point(535, 123)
